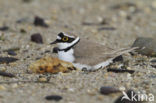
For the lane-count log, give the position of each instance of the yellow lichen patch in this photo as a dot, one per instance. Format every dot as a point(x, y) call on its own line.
point(51, 65)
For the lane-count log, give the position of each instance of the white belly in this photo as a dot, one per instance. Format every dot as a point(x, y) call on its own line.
point(66, 56)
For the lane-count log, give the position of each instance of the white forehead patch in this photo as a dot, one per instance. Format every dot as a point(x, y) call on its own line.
point(68, 35)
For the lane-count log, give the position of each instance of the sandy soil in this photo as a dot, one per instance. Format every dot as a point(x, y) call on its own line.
point(71, 16)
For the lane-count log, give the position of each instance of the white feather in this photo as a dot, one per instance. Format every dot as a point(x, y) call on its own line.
point(103, 64)
point(68, 35)
point(96, 67)
point(81, 66)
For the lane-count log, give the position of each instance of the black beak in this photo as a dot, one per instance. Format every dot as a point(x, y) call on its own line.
point(54, 42)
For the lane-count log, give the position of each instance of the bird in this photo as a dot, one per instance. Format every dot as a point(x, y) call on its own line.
point(85, 54)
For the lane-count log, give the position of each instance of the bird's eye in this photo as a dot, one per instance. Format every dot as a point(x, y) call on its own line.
point(65, 38)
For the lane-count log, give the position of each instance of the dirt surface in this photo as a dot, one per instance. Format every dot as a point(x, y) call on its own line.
point(111, 22)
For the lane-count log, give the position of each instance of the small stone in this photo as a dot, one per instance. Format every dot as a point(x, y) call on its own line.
point(129, 77)
point(37, 38)
point(14, 85)
point(42, 79)
point(146, 46)
point(71, 90)
point(23, 20)
point(108, 90)
point(129, 68)
point(91, 92)
point(127, 6)
point(122, 88)
point(153, 60)
point(23, 31)
point(12, 53)
point(106, 28)
point(54, 97)
point(5, 74)
point(153, 65)
point(47, 51)
point(128, 17)
point(3, 69)
point(40, 22)
point(4, 28)
point(123, 14)
point(7, 60)
point(2, 87)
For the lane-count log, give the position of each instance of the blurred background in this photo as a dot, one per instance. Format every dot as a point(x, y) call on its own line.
point(112, 22)
point(115, 23)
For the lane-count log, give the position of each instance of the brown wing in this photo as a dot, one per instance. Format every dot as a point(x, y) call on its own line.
point(91, 53)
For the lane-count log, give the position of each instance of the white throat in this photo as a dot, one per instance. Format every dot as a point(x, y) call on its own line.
point(67, 55)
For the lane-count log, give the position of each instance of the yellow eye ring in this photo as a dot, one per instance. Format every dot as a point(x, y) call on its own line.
point(65, 38)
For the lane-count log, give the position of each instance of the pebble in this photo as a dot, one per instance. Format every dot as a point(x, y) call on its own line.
point(3, 69)
point(122, 88)
point(14, 85)
point(146, 46)
point(5, 74)
point(54, 97)
point(127, 6)
point(38, 21)
point(2, 87)
point(106, 28)
point(4, 28)
point(153, 63)
point(123, 13)
point(23, 31)
point(37, 38)
point(7, 60)
point(154, 66)
point(153, 60)
point(129, 77)
point(71, 90)
point(42, 79)
point(91, 92)
point(11, 53)
point(108, 90)
point(23, 20)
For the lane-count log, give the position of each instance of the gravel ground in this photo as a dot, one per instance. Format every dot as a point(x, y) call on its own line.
point(116, 23)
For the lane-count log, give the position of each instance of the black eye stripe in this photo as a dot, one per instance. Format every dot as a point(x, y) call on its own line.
point(61, 35)
point(70, 40)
